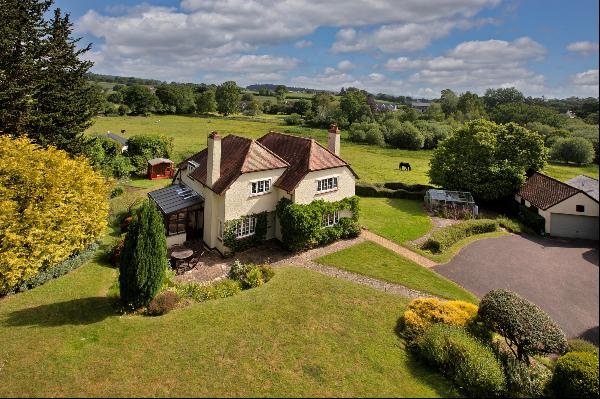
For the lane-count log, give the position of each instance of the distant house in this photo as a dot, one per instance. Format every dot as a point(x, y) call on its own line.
point(386, 107)
point(420, 106)
point(119, 139)
point(569, 208)
point(236, 180)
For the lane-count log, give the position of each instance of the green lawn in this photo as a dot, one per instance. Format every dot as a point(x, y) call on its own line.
point(373, 260)
point(565, 172)
point(302, 334)
point(399, 220)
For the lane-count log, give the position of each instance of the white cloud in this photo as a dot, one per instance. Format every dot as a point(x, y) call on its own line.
point(477, 65)
point(587, 78)
point(399, 37)
point(402, 64)
point(179, 42)
point(345, 65)
point(583, 48)
point(303, 44)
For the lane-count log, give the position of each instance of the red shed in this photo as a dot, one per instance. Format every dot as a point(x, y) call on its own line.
point(160, 168)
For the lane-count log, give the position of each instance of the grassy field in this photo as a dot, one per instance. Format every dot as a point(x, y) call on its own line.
point(399, 220)
point(371, 163)
point(370, 259)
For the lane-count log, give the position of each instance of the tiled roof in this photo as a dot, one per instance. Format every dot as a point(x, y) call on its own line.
point(238, 155)
point(157, 161)
point(544, 191)
point(303, 154)
point(585, 183)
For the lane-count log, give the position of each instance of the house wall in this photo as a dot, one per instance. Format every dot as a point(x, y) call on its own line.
point(568, 207)
point(177, 239)
point(306, 192)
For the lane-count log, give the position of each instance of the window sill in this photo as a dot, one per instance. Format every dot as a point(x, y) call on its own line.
point(260, 194)
point(327, 191)
point(246, 236)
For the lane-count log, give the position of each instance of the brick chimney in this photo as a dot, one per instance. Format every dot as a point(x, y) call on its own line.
point(333, 140)
point(213, 164)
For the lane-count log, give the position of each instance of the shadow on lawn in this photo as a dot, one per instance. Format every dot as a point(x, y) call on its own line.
point(74, 312)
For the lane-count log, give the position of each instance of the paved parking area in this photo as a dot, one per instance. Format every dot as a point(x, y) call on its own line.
point(560, 276)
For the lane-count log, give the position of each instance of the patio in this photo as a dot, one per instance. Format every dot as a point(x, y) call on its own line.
point(209, 266)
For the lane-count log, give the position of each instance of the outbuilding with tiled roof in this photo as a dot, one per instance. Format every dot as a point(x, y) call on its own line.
point(570, 209)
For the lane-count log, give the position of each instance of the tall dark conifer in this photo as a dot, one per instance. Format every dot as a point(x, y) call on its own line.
point(43, 89)
point(143, 260)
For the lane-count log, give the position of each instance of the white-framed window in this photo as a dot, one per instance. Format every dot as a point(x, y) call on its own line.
point(330, 219)
point(191, 166)
point(327, 184)
point(260, 186)
point(220, 230)
point(246, 227)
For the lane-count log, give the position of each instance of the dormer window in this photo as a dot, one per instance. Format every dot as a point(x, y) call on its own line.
point(191, 166)
point(260, 187)
point(327, 184)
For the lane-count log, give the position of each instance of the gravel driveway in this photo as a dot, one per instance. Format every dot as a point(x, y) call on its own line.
point(560, 276)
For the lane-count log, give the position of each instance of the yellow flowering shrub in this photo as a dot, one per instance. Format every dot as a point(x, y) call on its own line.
point(423, 312)
point(51, 206)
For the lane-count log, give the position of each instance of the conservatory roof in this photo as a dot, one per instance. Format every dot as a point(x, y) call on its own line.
point(175, 198)
point(451, 196)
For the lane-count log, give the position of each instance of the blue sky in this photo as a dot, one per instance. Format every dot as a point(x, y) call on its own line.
point(413, 47)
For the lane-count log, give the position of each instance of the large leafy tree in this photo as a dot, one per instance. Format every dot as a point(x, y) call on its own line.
point(51, 206)
point(43, 89)
point(354, 106)
point(143, 261)
point(487, 159)
point(178, 98)
point(471, 106)
point(449, 101)
point(141, 100)
point(503, 95)
point(228, 98)
point(523, 114)
point(205, 102)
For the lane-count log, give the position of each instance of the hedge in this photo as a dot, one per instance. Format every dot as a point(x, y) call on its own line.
point(444, 238)
point(527, 329)
point(472, 365)
point(301, 223)
point(576, 375)
point(581, 345)
point(421, 313)
point(531, 219)
point(71, 263)
point(377, 191)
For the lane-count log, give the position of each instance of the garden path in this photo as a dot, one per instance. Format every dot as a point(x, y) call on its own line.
point(384, 242)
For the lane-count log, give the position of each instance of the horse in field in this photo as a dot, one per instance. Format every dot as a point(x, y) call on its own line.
point(404, 166)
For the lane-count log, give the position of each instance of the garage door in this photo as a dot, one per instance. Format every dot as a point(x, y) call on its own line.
point(574, 226)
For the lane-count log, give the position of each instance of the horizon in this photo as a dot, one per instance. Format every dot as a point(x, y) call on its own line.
point(547, 49)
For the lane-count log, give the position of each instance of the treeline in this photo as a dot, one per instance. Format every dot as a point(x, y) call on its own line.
point(95, 77)
point(271, 87)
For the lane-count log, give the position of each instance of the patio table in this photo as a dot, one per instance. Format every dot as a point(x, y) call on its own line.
point(183, 255)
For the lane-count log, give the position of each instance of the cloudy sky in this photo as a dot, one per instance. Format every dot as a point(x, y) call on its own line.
point(408, 47)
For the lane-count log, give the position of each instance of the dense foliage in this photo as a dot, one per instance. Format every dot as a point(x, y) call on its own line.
point(442, 239)
point(143, 261)
point(240, 244)
point(468, 362)
point(574, 149)
point(391, 190)
point(227, 96)
point(522, 114)
point(527, 329)
point(51, 206)
point(140, 100)
point(142, 147)
point(250, 275)
point(43, 88)
point(105, 156)
point(487, 159)
point(422, 313)
point(576, 375)
point(301, 224)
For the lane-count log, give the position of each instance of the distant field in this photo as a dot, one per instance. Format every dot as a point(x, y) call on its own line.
point(371, 163)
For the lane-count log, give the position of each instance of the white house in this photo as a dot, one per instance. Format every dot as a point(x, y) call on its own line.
point(570, 209)
point(236, 178)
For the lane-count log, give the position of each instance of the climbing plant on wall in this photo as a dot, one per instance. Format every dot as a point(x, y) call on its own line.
point(301, 225)
point(240, 244)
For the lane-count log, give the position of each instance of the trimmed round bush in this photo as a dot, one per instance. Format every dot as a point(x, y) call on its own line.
point(573, 149)
point(472, 365)
point(421, 313)
point(163, 303)
point(527, 328)
point(576, 375)
point(444, 238)
point(581, 345)
point(407, 136)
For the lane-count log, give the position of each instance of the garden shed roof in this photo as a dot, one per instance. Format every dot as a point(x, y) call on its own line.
point(158, 161)
point(122, 140)
point(175, 198)
point(451, 196)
